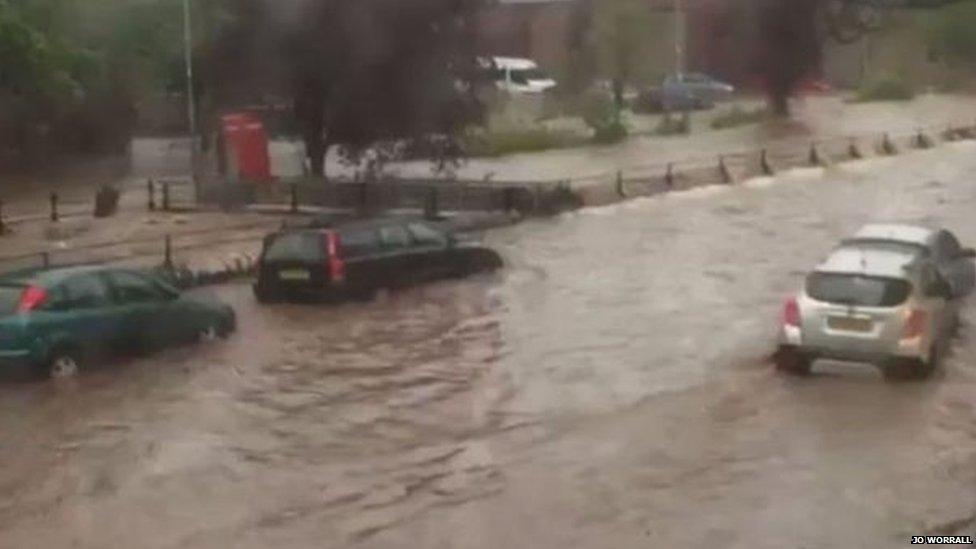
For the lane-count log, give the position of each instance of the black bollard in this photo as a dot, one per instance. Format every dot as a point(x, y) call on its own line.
point(620, 184)
point(764, 165)
point(887, 146)
point(168, 251)
point(815, 159)
point(151, 191)
point(3, 226)
point(724, 171)
point(508, 199)
point(922, 141)
point(54, 207)
point(165, 196)
point(669, 176)
point(430, 204)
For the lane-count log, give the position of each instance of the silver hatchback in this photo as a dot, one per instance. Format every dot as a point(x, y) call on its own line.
point(878, 301)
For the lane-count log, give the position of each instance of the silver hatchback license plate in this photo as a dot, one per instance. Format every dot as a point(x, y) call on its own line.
point(850, 324)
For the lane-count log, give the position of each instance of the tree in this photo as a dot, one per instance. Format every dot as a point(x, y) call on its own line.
point(71, 71)
point(582, 60)
point(950, 34)
point(360, 73)
point(793, 32)
point(620, 26)
point(791, 47)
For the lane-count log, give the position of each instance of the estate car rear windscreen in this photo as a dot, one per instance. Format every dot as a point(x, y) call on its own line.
point(295, 247)
point(852, 289)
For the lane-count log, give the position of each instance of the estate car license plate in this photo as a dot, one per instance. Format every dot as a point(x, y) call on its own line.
point(850, 324)
point(294, 274)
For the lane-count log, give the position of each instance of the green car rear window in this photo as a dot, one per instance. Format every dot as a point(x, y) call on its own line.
point(295, 247)
point(850, 289)
point(9, 298)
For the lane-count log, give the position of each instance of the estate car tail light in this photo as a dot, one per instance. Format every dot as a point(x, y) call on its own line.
point(915, 325)
point(32, 298)
point(333, 249)
point(791, 313)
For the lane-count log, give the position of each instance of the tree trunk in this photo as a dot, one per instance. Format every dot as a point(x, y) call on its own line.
point(779, 103)
point(315, 147)
point(310, 111)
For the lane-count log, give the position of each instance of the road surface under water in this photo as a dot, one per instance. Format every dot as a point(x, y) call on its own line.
point(609, 388)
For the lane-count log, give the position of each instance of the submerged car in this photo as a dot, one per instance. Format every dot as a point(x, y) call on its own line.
point(54, 321)
point(355, 259)
point(882, 298)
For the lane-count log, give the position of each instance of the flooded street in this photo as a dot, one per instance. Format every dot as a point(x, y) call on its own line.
point(609, 388)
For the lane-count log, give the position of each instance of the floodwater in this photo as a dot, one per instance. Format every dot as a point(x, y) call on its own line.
point(609, 388)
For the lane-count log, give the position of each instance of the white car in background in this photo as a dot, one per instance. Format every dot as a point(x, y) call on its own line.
point(518, 76)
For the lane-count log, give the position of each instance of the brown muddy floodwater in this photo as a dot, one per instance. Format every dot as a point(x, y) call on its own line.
point(609, 388)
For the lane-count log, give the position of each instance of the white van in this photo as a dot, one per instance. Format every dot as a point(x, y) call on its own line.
point(518, 76)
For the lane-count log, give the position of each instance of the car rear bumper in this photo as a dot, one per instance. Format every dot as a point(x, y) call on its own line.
point(854, 349)
point(302, 292)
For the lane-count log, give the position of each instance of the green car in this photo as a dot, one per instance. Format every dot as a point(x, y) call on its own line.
point(55, 320)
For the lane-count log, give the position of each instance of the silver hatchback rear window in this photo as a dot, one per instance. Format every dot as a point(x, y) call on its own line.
point(854, 289)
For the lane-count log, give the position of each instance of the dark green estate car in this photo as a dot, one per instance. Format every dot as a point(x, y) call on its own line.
point(54, 320)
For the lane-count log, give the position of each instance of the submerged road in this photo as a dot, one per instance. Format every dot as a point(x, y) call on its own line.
point(609, 388)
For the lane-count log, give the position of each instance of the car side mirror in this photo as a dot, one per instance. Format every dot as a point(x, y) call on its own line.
point(968, 253)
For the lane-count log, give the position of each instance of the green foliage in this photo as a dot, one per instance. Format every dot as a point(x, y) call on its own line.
point(597, 110)
point(620, 27)
point(602, 116)
point(885, 88)
point(615, 132)
point(71, 70)
point(738, 116)
point(950, 33)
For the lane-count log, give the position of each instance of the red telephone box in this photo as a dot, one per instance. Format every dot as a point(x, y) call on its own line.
point(244, 148)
